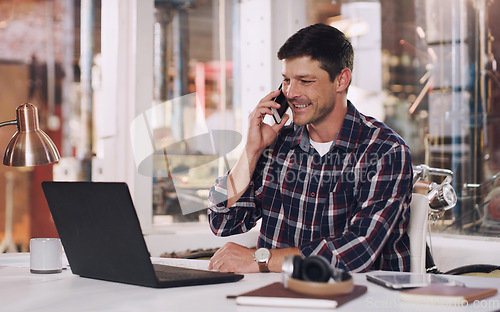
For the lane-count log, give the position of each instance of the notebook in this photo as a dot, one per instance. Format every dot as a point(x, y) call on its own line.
point(276, 295)
point(447, 295)
point(102, 237)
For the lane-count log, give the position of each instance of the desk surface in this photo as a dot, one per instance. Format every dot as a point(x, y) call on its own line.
point(22, 291)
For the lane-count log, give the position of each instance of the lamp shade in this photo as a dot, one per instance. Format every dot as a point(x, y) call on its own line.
point(29, 146)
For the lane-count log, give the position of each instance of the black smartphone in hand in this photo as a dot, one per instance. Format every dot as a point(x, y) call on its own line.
point(278, 113)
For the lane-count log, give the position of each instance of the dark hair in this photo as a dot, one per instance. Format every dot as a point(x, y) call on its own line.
point(323, 43)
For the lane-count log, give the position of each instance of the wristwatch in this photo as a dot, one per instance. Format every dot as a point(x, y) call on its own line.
point(262, 256)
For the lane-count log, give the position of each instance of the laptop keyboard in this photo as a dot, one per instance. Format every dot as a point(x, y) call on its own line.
point(167, 273)
point(179, 262)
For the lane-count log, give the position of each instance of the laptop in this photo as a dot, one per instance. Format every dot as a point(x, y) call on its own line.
point(102, 237)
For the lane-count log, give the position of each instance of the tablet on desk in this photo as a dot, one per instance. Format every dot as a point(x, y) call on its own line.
point(408, 280)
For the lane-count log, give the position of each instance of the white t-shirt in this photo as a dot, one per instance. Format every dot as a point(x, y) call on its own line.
point(322, 148)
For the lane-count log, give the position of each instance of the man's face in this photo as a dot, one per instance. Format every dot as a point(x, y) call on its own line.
point(308, 89)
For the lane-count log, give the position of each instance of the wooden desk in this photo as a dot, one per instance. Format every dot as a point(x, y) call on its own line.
point(22, 291)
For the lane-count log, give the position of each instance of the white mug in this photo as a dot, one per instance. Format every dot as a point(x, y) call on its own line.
point(45, 255)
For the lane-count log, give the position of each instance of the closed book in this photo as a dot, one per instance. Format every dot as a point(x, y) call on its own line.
point(447, 295)
point(276, 295)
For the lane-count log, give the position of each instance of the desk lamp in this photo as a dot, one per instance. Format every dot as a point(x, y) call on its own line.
point(29, 146)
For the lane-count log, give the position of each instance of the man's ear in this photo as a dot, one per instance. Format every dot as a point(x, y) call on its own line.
point(344, 79)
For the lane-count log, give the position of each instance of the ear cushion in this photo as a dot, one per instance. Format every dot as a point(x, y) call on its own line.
point(297, 267)
point(316, 269)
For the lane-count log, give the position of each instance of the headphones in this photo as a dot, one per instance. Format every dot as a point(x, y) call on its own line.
point(312, 275)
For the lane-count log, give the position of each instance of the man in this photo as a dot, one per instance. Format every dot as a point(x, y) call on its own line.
point(334, 183)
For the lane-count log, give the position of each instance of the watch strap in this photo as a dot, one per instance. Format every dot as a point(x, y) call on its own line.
point(263, 267)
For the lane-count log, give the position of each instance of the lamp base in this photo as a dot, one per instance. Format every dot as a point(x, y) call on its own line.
point(7, 245)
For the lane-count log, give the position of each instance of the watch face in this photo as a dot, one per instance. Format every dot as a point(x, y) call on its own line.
point(262, 254)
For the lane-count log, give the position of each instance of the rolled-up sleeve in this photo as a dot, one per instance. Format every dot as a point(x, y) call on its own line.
point(239, 218)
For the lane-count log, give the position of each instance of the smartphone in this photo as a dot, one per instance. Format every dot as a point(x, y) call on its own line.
point(408, 280)
point(280, 99)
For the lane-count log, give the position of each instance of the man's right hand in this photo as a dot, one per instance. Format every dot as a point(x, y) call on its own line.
point(260, 134)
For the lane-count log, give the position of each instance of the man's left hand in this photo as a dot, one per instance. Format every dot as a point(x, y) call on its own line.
point(234, 258)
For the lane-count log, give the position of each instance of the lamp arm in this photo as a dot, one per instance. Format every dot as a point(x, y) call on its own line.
point(8, 123)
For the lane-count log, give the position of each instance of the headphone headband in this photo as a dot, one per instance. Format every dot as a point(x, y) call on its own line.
point(320, 288)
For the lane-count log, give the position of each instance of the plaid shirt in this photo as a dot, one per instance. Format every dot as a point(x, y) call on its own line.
point(350, 206)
